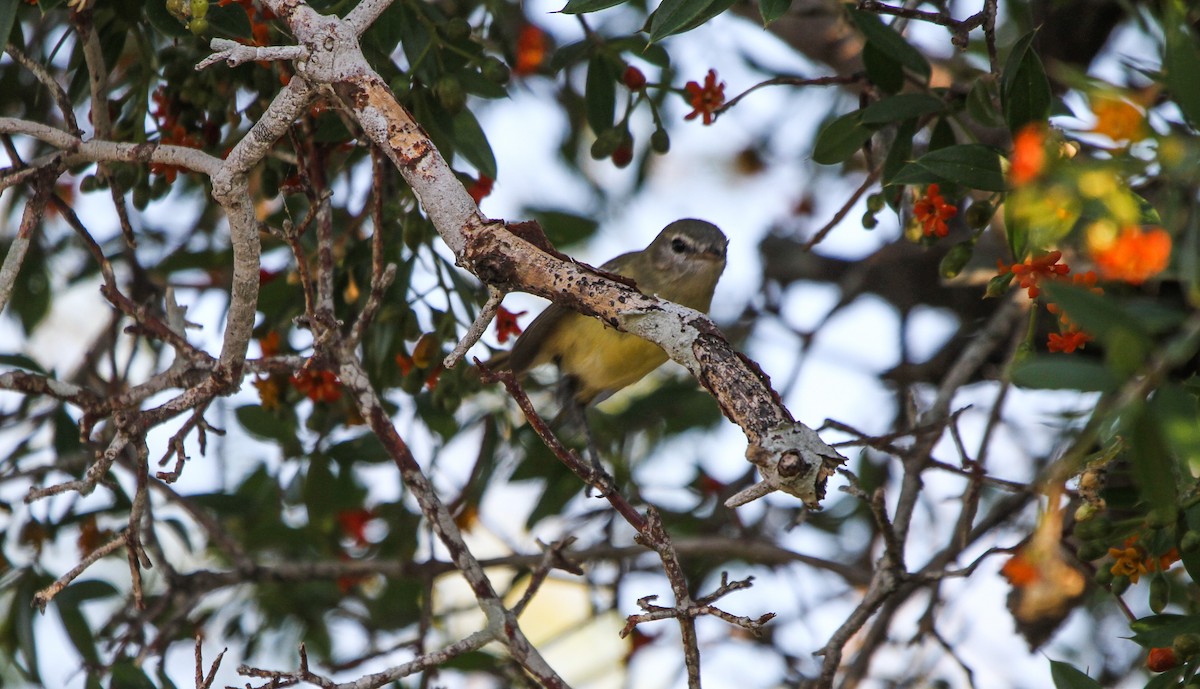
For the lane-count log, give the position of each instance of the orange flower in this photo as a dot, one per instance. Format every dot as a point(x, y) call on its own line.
point(404, 362)
point(506, 324)
point(1134, 256)
point(270, 343)
point(531, 50)
point(1128, 562)
point(1029, 154)
point(1118, 119)
point(268, 392)
point(431, 382)
point(481, 188)
point(318, 386)
point(1163, 562)
point(1019, 571)
point(1034, 269)
point(1067, 342)
point(1161, 659)
point(707, 99)
point(354, 524)
point(932, 211)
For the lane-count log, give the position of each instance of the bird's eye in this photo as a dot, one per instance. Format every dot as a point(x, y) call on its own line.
point(678, 245)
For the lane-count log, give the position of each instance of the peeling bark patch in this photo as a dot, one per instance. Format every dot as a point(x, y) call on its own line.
point(533, 233)
point(143, 152)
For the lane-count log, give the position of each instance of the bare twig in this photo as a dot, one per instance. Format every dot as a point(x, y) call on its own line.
point(477, 329)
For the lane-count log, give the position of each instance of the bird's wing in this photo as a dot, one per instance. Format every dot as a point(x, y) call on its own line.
point(524, 353)
point(521, 358)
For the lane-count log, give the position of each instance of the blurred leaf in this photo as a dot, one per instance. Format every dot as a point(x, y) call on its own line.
point(840, 139)
point(1026, 92)
point(899, 154)
point(365, 448)
point(583, 6)
point(126, 675)
point(1182, 62)
point(773, 9)
point(477, 84)
point(386, 32)
point(600, 92)
point(1158, 631)
point(8, 17)
point(66, 433)
point(86, 590)
point(901, 107)
point(472, 143)
point(653, 53)
point(1191, 560)
point(21, 617)
point(677, 16)
point(1063, 372)
point(22, 361)
point(890, 43)
point(562, 228)
point(981, 103)
point(266, 425)
point(474, 661)
point(30, 297)
point(1155, 470)
point(1068, 677)
point(228, 20)
point(398, 605)
point(1119, 330)
point(942, 135)
point(882, 70)
point(972, 165)
point(1017, 229)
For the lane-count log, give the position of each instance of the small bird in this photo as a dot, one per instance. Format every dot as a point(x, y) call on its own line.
point(682, 265)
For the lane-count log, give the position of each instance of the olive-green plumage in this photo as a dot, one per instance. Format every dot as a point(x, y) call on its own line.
point(682, 265)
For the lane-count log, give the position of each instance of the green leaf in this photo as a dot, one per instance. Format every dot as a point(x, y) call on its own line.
point(1124, 336)
point(265, 425)
point(1155, 470)
point(677, 16)
point(981, 103)
point(1068, 677)
point(890, 43)
point(1178, 415)
point(365, 448)
point(562, 228)
point(899, 153)
point(600, 93)
point(1017, 229)
point(773, 9)
point(472, 143)
point(1158, 631)
point(942, 135)
point(1181, 62)
point(8, 17)
point(127, 675)
point(477, 84)
point(1026, 92)
point(21, 361)
point(1062, 372)
point(882, 70)
point(972, 165)
point(905, 106)
point(840, 139)
point(583, 6)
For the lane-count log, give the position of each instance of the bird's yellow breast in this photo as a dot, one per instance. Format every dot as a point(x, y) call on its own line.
point(601, 358)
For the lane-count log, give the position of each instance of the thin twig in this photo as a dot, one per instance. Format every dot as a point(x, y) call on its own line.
point(477, 329)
